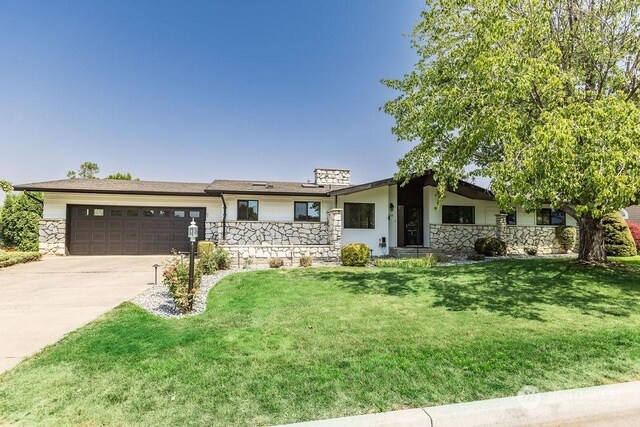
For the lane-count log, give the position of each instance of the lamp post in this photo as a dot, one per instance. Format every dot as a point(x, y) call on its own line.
point(193, 235)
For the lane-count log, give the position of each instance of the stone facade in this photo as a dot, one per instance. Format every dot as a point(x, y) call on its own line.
point(461, 238)
point(333, 176)
point(52, 236)
point(288, 252)
point(334, 217)
point(269, 233)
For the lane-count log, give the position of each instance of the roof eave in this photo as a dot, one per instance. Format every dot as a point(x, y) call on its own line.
point(132, 192)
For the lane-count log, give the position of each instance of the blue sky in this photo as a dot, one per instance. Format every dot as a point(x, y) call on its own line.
point(192, 91)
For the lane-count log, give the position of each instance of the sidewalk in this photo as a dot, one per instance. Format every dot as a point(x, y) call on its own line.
point(609, 405)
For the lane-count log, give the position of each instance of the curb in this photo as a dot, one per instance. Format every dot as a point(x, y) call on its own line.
point(615, 404)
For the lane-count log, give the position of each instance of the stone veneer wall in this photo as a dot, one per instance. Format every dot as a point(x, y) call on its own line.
point(461, 238)
point(270, 233)
point(290, 240)
point(52, 236)
point(333, 176)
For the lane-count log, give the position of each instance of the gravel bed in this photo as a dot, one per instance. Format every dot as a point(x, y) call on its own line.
point(158, 300)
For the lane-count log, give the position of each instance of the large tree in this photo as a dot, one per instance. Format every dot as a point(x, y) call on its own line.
point(87, 170)
point(540, 96)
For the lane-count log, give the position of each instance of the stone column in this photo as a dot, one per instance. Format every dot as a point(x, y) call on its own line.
point(52, 236)
point(334, 219)
point(501, 225)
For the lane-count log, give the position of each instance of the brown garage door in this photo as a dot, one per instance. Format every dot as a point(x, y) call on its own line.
point(127, 230)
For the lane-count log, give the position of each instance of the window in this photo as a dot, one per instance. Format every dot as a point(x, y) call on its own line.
point(248, 210)
point(547, 216)
point(458, 215)
point(306, 211)
point(194, 214)
point(148, 212)
point(98, 212)
point(512, 218)
point(116, 212)
point(178, 214)
point(132, 212)
point(359, 215)
point(165, 213)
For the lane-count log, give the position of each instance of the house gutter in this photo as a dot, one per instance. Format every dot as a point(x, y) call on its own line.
point(224, 217)
point(32, 197)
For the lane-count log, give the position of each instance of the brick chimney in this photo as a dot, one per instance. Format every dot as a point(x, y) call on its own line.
point(325, 176)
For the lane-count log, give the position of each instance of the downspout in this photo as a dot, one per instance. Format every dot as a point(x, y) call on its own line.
point(32, 197)
point(224, 217)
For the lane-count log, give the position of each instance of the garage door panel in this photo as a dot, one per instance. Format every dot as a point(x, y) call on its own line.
point(125, 230)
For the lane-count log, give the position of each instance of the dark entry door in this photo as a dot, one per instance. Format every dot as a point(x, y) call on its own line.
point(413, 226)
point(128, 230)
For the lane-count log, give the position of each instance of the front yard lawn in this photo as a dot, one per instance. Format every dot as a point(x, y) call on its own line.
point(290, 345)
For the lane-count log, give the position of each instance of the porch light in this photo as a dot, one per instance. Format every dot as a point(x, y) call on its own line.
point(193, 231)
point(391, 206)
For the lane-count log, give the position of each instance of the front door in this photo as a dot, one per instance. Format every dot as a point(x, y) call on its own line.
point(413, 226)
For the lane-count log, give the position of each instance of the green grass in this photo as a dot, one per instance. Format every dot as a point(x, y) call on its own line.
point(289, 345)
point(423, 262)
point(11, 258)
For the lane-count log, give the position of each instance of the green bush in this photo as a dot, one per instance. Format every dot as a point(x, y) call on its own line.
point(20, 216)
point(567, 237)
point(618, 240)
point(490, 246)
point(531, 250)
point(10, 258)
point(423, 262)
point(222, 259)
point(205, 246)
point(276, 262)
point(476, 257)
point(355, 255)
point(440, 257)
point(306, 261)
point(207, 263)
point(176, 277)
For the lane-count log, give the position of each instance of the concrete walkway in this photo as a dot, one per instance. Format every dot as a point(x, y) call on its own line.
point(609, 405)
point(42, 301)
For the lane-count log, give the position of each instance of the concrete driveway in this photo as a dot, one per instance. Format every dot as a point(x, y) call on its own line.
point(42, 301)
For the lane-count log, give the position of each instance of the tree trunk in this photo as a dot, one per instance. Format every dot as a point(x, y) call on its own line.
point(591, 247)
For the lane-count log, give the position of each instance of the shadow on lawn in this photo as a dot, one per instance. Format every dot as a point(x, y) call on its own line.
point(515, 288)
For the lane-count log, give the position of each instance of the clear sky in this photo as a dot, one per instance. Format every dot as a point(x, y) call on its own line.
point(193, 91)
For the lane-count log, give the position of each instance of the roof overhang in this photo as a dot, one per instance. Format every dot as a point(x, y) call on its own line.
point(97, 191)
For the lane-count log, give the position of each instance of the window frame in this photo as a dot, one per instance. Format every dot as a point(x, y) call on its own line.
point(307, 203)
point(247, 201)
point(473, 214)
point(371, 225)
point(514, 215)
point(550, 224)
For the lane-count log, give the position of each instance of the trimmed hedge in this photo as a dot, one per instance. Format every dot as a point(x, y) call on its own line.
point(618, 240)
point(424, 262)
point(634, 227)
point(11, 258)
point(490, 246)
point(355, 255)
point(567, 237)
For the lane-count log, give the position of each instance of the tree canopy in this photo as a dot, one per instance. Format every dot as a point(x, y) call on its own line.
point(87, 170)
point(540, 96)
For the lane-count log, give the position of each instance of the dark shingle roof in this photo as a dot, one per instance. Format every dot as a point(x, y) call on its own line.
point(226, 186)
point(116, 186)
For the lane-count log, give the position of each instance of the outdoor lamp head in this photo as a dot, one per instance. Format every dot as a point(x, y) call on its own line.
point(193, 231)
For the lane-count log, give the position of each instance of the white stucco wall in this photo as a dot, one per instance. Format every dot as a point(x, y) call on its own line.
point(485, 210)
point(275, 208)
point(393, 217)
point(55, 204)
point(380, 197)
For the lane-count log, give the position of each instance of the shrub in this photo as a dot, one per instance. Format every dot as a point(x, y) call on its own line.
point(176, 277)
point(247, 262)
point(635, 233)
point(306, 261)
point(207, 262)
point(490, 246)
point(276, 262)
point(424, 262)
point(222, 259)
point(204, 246)
point(618, 240)
point(567, 237)
point(10, 258)
point(476, 257)
point(440, 257)
point(355, 254)
point(20, 216)
point(531, 250)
